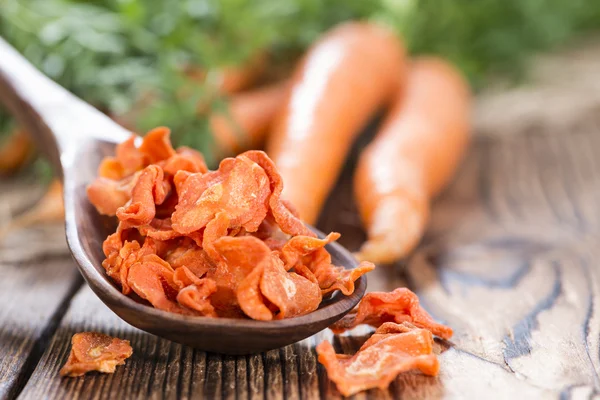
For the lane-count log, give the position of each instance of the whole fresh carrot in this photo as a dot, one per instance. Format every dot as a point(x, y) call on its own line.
point(412, 158)
point(342, 81)
point(248, 118)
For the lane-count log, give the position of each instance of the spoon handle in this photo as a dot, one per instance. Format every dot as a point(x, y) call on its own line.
point(58, 120)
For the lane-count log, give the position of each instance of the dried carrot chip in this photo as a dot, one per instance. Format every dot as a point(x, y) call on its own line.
point(292, 293)
point(241, 195)
point(300, 246)
point(191, 257)
point(311, 253)
point(159, 229)
point(287, 219)
point(167, 207)
point(188, 216)
point(149, 190)
point(195, 156)
point(113, 242)
point(118, 263)
point(92, 351)
point(400, 305)
point(343, 279)
point(380, 359)
point(156, 145)
point(195, 297)
point(275, 244)
point(157, 247)
point(240, 256)
point(184, 277)
point(249, 297)
point(153, 281)
point(130, 158)
point(270, 233)
point(111, 168)
point(214, 230)
point(290, 207)
point(185, 159)
point(108, 195)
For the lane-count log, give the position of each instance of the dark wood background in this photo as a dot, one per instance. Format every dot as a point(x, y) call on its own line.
point(510, 262)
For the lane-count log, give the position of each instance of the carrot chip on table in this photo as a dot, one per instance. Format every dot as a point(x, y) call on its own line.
point(400, 305)
point(207, 243)
point(393, 349)
point(92, 351)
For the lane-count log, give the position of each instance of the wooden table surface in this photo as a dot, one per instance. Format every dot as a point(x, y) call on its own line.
point(510, 262)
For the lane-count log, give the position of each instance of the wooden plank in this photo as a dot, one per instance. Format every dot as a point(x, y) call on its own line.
point(518, 279)
point(37, 280)
point(158, 368)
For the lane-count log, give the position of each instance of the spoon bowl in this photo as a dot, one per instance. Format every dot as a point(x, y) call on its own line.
point(76, 137)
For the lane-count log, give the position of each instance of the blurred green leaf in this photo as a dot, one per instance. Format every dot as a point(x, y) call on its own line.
point(115, 53)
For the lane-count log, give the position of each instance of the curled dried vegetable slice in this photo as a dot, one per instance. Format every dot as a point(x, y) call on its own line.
point(109, 195)
point(149, 190)
point(185, 159)
point(239, 257)
point(184, 277)
point(386, 354)
point(159, 229)
point(111, 168)
point(129, 157)
point(400, 305)
point(195, 157)
point(241, 196)
point(117, 175)
point(196, 297)
point(92, 351)
point(152, 280)
point(286, 216)
point(156, 145)
point(310, 251)
point(300, 246)
point(157, 247)
point(190, 187)
point(342, 279)
point(215, 229)
point(114, 242)
point(250, 298)
point(331, 277)
point(292, 293)
point(192, 257)
point(118, 263)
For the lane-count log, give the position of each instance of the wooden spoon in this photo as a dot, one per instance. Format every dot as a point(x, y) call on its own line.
point(75, 137)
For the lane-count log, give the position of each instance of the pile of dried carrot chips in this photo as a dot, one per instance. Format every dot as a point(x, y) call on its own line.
point(225, 244)
point(211, 243)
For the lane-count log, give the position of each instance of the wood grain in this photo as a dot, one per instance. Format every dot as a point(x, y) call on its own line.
point(37, 280)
